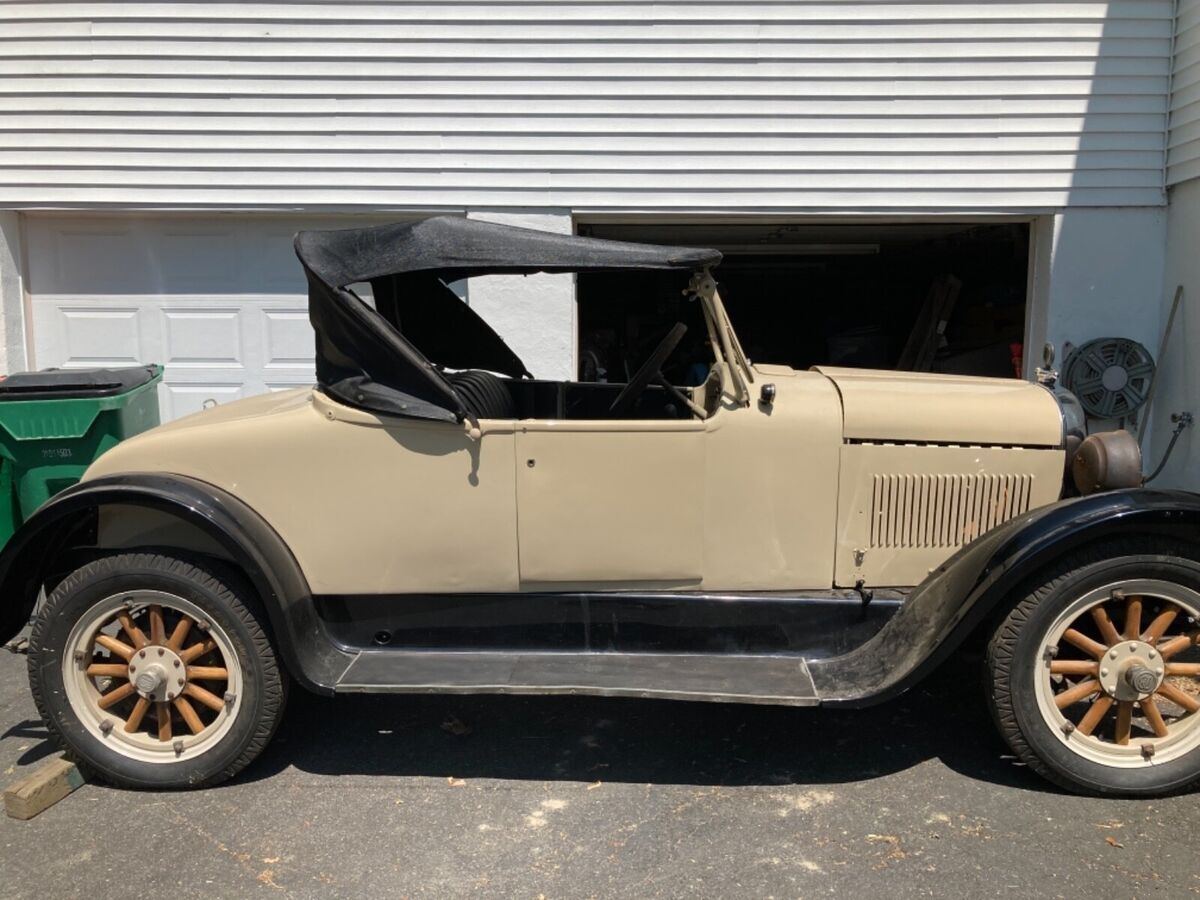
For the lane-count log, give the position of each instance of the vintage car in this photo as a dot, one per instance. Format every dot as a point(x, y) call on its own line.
point(431, 518)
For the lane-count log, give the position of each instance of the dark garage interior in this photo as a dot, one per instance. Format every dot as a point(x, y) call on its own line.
point(941, 297)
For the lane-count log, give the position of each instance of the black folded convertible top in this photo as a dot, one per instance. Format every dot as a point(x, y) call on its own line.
point(369, 357)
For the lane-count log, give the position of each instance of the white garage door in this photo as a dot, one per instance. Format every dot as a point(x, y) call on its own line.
point(220, 301)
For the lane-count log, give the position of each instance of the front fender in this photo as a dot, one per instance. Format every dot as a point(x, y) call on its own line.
point(36, 551)
point(961, 593)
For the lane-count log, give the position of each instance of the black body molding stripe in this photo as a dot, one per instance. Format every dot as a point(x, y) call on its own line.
point(319, 640)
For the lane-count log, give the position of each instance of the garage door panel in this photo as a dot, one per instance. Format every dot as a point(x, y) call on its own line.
point(97, 335)
point(220, 301)
point(184, 399)
point(288, 340)
point(198, 260)
point(196, 337)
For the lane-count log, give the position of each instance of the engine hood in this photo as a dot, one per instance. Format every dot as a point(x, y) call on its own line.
point(955, 409)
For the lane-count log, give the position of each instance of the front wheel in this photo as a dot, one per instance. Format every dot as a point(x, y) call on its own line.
point(1094, 676)
point(155, 672)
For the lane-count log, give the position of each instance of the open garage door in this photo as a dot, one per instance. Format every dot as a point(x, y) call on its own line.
point(220, 301)
point(942, 297)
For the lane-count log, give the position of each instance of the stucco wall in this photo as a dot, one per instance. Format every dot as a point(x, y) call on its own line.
point(12, 332)
point(1099, 274)
point(1179, 386)
point(535, 314)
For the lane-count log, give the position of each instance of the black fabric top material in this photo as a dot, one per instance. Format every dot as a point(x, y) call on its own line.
point(370, 358)
point(454, 248)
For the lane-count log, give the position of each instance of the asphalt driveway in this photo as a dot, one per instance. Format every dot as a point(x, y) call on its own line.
point(578, 797)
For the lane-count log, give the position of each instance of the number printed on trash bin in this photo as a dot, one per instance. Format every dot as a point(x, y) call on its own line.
point(56, 453)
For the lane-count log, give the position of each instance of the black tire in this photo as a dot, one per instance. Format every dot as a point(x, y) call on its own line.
point(1016, 648)
point(229, 604)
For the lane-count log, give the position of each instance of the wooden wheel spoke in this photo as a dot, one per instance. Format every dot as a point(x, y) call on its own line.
point(208, 698)
point(158, 630)
point(1151, 711)
point(1159, 625)
point(197, 650)
point(1085, 643)
point(120, 648)
point(208, 673)
point(163, 711)
point(1175, 695)
point(1183, 669)
point(1081, 691)
point(116, 695)
point(110, 670)
point(1074, 667)
point(135, 717)
point(1177, 645)
point(180, 633)
point(135, 633)
point(1133, 619)
point(1124, 721)
point(1108, 630)
point(1095, 714)
point(188, 713)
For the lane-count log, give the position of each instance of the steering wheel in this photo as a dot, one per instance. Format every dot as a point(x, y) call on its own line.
point(649, 369)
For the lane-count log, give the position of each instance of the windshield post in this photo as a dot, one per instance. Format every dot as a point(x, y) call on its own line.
point(725, 344)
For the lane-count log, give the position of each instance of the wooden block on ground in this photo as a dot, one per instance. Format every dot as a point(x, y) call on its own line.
point(41, 788)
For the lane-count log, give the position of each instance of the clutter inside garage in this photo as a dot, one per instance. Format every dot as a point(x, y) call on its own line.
point(940, 297)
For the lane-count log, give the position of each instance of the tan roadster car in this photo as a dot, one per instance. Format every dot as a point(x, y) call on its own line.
point(429, 517)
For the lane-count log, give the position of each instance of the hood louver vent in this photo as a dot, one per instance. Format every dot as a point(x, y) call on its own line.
point(943, 510)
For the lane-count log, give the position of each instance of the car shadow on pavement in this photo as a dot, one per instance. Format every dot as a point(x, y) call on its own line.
point(643, 741)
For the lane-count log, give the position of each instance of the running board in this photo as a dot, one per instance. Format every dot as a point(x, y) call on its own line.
point(782, 680)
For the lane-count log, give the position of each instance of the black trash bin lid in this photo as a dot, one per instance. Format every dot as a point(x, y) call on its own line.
point(66, 384)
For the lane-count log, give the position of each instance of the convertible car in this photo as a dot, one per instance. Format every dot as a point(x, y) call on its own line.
point(430, 518)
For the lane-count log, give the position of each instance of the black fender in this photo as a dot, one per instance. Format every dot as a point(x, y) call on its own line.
point(964, 591)
point(35, 552)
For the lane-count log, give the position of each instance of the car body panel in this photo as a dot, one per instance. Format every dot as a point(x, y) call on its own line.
point(904, 508)
point(951, 409)
point(590, 500)
point(374, 504)
point(761, 497)
point(367, 504)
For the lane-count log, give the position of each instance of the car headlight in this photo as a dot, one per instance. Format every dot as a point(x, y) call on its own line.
point(1074, 420)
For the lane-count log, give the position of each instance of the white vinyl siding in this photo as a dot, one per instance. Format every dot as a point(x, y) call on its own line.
point(588, 106)
point(1183, 151)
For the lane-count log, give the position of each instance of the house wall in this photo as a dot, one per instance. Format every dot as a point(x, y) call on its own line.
point(593, 105)
point(1178, 389)
point(1183, 153)
point(12, 294)
point(534, 112)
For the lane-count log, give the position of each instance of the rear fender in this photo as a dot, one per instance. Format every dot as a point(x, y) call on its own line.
point(982, 577)
point(55, 539)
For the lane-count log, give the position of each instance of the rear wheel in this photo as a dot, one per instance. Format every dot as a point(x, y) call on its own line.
point(1094, 677)
point(155, 672)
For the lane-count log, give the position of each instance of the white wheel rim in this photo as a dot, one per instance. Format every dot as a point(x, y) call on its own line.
point(173, 680)
point(1092, 727)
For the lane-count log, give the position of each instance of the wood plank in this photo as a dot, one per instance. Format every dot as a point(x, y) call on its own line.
point(41, 788)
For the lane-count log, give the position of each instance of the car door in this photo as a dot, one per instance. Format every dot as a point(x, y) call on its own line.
point(610, 503)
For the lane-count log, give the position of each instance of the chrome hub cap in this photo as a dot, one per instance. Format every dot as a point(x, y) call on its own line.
point(158, 674)
point(1132, 670)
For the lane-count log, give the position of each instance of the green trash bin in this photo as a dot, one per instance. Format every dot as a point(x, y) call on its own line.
point(54, 423)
